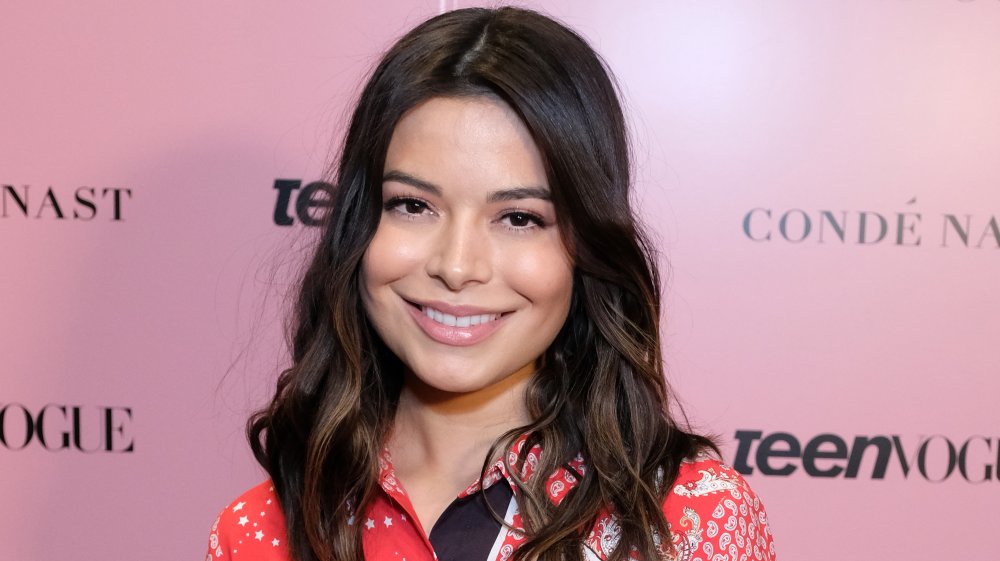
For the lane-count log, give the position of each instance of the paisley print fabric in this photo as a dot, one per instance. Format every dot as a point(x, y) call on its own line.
point(711, 511)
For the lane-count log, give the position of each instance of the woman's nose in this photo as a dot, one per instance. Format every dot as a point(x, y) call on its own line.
point(461, 255)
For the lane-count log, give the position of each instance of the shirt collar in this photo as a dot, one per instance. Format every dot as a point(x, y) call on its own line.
point(558, 485)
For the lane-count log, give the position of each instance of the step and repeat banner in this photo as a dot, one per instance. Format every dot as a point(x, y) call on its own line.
point(823, 179)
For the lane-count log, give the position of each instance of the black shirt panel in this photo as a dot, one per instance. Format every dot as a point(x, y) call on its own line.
point(466, 531)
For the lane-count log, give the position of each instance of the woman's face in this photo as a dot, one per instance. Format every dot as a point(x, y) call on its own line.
point(466, 279)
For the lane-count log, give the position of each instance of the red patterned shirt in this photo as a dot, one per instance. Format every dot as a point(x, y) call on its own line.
point(711, 512)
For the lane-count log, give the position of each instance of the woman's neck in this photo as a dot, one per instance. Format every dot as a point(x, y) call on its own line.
point(439, 429)
point(440, 440)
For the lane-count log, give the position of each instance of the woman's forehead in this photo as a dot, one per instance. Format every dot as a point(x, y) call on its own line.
point(470, 141)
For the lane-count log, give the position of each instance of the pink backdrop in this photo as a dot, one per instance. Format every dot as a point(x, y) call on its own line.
point(154, 305)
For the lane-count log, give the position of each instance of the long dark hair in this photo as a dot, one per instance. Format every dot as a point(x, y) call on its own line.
point(599, 389)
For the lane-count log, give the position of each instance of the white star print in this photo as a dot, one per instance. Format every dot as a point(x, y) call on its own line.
point(243, 521)
point(259, 535)
point(275, 542)
point(387, 521)
point(268, 502)
point(403, 516)
point(239, 506)
point(370, 524)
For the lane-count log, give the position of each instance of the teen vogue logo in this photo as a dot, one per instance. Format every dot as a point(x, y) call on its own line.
point(935, 458)
point(56, 427)
point(308, 205)
point(905, 228)
point(48, 203)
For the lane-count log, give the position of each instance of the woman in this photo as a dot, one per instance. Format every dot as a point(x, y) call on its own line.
point(477, 370)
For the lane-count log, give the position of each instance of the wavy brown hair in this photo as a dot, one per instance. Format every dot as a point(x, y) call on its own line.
point(599, 389)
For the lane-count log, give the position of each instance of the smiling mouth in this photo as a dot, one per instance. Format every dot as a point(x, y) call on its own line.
point(451, 320)
point(456, 330)
point(458, 321)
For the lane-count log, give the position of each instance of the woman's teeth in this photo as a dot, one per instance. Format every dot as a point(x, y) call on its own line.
point(458, 321)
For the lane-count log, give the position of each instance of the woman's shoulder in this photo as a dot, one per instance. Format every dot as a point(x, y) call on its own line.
point(250, 527)
point(711, 509)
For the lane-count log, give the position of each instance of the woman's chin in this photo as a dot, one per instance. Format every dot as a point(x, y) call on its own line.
point(449, 383)
point(467, 385)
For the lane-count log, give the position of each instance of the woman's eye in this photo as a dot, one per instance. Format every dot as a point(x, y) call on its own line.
point(521, 220)
point(406, 206)
point(414, 207)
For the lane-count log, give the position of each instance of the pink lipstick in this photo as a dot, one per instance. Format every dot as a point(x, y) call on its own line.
point(458, 326)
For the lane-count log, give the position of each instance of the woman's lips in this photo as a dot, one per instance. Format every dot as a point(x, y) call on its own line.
point(459, 335)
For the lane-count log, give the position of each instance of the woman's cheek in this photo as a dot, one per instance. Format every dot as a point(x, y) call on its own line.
point(393, 252)
point(541, 272)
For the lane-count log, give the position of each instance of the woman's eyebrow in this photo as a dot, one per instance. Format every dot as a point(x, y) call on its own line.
point(394, 175)
point(519, 193)
point(512, 194)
